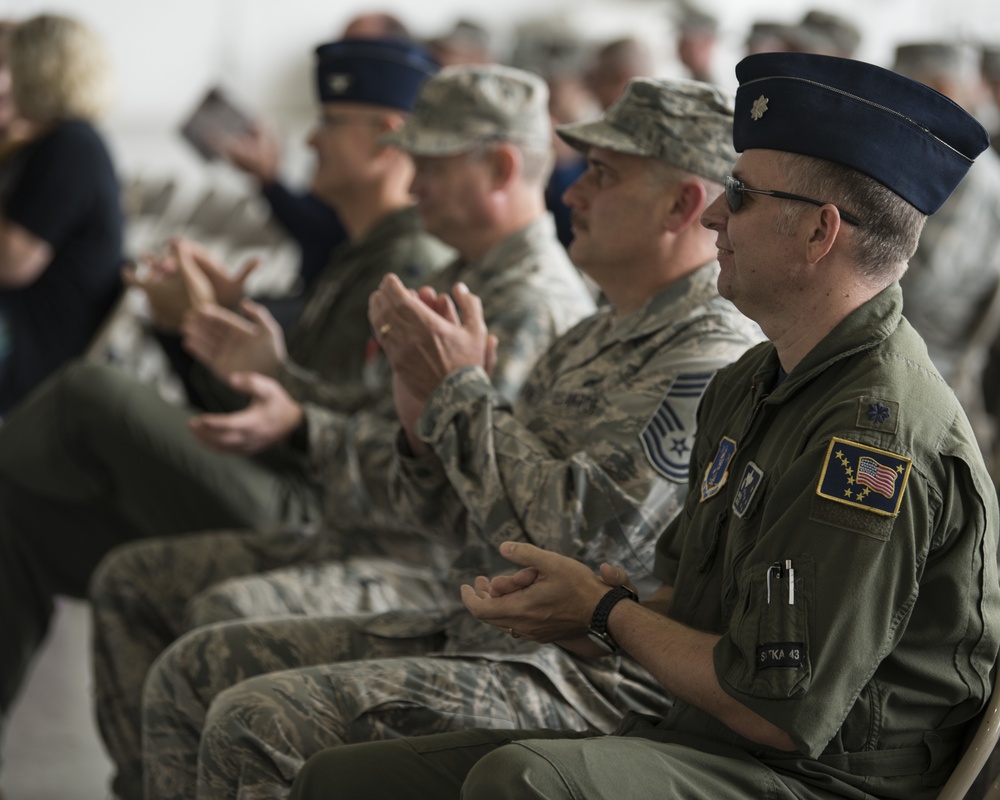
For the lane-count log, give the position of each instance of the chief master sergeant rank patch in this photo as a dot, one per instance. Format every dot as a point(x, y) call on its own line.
point(665, 438)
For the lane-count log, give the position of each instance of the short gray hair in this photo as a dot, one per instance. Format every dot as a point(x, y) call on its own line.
point(537, 161)
point(890, 227)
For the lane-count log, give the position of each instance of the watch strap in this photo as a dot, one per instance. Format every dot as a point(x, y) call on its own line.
point(599, 619)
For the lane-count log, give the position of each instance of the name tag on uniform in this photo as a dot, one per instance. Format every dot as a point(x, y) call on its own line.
point(781, 654)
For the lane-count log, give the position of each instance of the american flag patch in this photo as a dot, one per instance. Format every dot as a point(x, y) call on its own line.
point(668, 437)
point(864, 477)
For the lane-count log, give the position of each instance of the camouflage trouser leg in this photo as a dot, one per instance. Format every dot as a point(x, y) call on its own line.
point(259, 733)
point(140, 597)
point(146, 594)
point(329, 588)
point(184, 682)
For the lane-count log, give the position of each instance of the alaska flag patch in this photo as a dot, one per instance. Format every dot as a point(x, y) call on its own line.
point(864, 477)
point(669, 436)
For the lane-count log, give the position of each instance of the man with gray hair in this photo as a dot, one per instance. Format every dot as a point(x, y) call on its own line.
point(483, 195)
point(591, 460)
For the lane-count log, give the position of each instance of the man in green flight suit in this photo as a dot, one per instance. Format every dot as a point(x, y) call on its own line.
point(828, 619)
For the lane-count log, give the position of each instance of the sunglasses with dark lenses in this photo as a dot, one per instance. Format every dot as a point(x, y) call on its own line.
point(735, 191)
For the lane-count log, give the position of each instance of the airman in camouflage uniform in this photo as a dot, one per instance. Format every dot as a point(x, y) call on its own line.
point(591, 460)
point(95, 457)
point(955, 272)
point(146, 594)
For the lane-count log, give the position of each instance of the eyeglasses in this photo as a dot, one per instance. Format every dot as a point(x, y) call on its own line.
point(735, 191)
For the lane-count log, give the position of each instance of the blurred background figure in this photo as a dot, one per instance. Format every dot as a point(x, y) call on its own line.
point(697, 37)
point(950, 288)
point(766, 36)
point(990, 73)
point(311, 222)
point(376, 25)
point(559, 56)
point(60, 217)
point(818, 32)
point(13, 129)
point(569, 101)
point(466, 43)
point(824, 33)
point(614, 65)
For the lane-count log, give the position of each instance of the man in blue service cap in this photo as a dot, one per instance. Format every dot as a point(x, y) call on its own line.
point(828, 619)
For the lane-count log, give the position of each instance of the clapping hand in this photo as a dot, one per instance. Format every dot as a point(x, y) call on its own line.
point(184, 278)
point(550, 599)
point(269, 419)
point(227, 343)
point(427, 336)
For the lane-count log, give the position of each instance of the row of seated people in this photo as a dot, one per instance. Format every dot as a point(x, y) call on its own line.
point(401, 437)
point(54, 313)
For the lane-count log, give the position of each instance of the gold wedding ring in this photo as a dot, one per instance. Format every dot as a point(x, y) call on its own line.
point(384, 329)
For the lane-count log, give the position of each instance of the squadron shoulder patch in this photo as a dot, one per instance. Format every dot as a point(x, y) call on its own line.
point(863, 477)
point(669, 435)
point(717, 473)
point(752, 477)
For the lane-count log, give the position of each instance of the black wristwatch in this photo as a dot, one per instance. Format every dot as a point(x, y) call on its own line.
point(598, 630)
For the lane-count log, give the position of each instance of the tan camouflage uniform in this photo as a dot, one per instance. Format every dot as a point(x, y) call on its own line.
point(955, 270)
point(641, 376)
point(566, 468)
point(146, 594)
point(531, 294)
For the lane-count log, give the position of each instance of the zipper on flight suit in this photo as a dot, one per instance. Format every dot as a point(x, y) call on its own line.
point(755, 406)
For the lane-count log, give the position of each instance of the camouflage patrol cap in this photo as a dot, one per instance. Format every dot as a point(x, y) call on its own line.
point(685, 123)
point(463, 106)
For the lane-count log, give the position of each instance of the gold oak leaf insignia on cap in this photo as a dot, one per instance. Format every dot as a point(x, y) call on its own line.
point(758, 109)
point(339, 83)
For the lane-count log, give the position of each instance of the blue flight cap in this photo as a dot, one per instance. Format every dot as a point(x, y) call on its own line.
point(382, 72)
point(908, 137)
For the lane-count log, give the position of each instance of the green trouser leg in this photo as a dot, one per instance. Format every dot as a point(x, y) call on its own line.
point(94, 458)
point(551, 765)
point(25, 612)
point(30, 575)
point(418, 768)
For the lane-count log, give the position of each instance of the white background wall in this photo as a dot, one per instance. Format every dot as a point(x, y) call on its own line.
point(168, 52)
